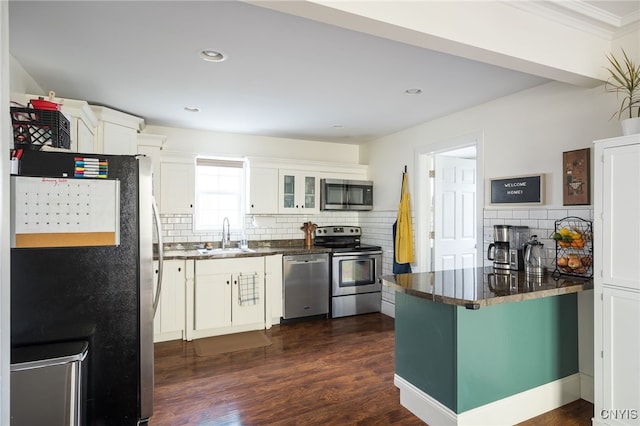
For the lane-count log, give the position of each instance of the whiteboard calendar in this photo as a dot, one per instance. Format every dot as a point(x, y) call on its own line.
point(63, 212)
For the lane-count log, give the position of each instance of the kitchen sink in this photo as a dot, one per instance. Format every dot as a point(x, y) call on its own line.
point(206, 252)
point(229, 250)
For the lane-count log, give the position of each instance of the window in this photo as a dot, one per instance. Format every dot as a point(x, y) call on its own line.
point(220, 193)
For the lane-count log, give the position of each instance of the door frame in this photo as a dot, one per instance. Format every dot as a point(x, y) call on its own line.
point(424, 156)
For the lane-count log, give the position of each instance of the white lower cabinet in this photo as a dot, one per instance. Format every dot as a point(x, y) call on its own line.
point(620, 393)
point(228, 297)
point(169, 320)
point(212, 299)
point(273, 282)
point(616, 280)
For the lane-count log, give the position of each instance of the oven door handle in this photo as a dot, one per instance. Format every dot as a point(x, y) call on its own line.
point(357, 253)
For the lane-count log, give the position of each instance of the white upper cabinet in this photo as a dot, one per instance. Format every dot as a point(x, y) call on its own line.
point(117, 131)
point(299, 192)
point(151, 146)
point(282, 186)
point(84, 125)
point(177, 183)
point(117, 139)
point(620, 224)
point(263, 191)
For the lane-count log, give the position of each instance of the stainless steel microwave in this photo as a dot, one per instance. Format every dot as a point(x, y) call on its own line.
point(337, 194)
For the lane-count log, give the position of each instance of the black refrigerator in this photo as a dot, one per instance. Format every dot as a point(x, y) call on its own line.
point(82, 270)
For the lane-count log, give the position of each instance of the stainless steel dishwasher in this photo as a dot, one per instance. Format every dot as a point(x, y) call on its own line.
point(306, 285)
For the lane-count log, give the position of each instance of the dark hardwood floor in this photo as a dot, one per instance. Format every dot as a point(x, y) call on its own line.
point(318, 372)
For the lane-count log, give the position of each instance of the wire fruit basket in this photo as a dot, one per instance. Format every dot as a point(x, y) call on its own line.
point(574, 247)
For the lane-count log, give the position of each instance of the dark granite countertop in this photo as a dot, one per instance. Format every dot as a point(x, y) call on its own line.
point(477, 287)
point(256, 249)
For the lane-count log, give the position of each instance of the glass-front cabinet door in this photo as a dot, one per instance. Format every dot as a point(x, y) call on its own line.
point(299, 192)
point(310, 193)
point(289, 192)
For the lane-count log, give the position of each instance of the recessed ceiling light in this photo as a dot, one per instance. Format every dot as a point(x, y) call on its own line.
point(192, 109)
point(212, 55)
point(413, 91)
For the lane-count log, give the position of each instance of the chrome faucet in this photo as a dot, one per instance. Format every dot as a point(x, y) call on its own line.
point(226, 238)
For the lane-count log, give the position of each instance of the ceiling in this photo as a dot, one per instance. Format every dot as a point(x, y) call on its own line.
point(283, 76)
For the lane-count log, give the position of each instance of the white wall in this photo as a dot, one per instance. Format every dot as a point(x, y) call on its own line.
point(522, 133)
point(229, 144)
point(20, 81)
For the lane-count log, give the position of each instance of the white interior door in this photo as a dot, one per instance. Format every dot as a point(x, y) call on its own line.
point(455, 201)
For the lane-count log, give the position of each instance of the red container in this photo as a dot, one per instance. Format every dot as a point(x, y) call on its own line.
point(46, 105)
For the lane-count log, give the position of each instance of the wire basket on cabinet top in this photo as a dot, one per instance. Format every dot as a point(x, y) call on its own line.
point(574, 247)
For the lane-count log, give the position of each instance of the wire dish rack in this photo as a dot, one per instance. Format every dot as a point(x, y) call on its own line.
point(574, 247)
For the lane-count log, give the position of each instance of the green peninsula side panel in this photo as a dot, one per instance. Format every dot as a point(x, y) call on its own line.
point(509, 348)
point(426, 346)
point(469, 358)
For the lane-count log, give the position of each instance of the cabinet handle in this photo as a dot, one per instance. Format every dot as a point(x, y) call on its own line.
point(179, 269)
point(227, 282)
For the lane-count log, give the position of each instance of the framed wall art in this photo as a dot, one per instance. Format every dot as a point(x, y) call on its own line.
point(576, 177)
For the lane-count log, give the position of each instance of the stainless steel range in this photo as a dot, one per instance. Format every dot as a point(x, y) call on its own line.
point(356, 270)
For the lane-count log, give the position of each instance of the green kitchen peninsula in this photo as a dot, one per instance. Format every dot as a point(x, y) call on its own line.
point(478, 347)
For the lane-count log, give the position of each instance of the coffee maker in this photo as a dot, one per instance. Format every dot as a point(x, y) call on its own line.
point(498, 250)
point(507, 250)
point(518, 237)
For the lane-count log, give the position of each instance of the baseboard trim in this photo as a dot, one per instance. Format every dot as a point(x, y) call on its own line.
point(507, 411)
point(165, 337)
point(388, 309)
point(587, 388)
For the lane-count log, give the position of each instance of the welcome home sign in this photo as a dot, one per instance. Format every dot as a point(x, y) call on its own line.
point(518, 190)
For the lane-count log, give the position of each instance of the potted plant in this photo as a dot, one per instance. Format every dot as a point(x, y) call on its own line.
point(624, 79)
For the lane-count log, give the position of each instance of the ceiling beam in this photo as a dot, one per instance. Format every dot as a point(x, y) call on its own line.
point(494, 32)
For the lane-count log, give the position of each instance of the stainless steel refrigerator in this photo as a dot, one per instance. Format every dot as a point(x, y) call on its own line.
point(71, 284)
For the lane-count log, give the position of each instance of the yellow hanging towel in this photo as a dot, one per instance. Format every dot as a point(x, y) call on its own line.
point(404, 233)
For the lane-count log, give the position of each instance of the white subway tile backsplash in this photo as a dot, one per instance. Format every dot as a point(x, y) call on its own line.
point(529, 223)
point(520, 214)
point(547, 224)
point(538, 214)
point(558, 214)
point(376, 228)
point(490, 214)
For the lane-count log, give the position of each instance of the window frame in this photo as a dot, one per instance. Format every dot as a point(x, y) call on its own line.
point(236, 224)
